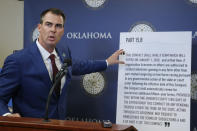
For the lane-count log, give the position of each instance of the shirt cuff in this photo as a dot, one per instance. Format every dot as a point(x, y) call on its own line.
point(106, 63)
point(6, 114)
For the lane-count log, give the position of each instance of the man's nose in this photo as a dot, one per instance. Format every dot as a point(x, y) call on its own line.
point(53, 28)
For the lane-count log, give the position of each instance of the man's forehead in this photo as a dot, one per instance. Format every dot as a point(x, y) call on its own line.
point(53, 18)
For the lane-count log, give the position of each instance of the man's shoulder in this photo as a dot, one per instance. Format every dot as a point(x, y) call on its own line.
point(21, 54)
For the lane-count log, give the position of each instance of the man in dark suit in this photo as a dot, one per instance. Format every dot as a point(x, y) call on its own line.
point(28, 75)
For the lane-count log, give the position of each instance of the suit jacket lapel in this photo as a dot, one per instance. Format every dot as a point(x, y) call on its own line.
point(63, 55)
point(40, 65)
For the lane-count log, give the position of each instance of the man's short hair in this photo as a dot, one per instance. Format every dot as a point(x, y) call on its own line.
point(53, 11)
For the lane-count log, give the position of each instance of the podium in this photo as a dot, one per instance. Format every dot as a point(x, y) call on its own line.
point(37, 124)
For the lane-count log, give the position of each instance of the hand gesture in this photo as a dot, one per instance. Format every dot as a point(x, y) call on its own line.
point(113, 59)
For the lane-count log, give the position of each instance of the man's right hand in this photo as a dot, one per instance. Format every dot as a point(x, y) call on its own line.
point(14, 115)
point(113, 59)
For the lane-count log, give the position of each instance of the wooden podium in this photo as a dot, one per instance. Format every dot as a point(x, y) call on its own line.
point(36, 124)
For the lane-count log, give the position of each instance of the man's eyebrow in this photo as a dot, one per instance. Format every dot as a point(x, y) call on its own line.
point(48, 22)
point(59, 24)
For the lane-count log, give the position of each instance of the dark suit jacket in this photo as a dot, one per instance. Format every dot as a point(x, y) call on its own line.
point(25, 79)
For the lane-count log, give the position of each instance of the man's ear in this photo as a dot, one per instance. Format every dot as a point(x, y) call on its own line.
point(39, 27)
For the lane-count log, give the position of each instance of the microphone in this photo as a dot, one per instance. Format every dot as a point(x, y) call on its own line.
point(67, 63)
point(58, 77)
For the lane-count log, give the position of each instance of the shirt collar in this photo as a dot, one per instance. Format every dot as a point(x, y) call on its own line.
point(45, 54)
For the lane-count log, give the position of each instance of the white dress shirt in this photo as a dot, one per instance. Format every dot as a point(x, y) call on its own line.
point(45, 56)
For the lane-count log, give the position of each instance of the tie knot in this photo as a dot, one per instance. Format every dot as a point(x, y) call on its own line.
point(52, 57)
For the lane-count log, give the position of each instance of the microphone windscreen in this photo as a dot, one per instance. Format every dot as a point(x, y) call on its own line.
point(68, 62)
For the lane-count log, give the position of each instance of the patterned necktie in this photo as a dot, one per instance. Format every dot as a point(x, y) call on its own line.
point(55, 71)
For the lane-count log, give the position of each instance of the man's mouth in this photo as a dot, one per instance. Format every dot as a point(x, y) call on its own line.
point(51, 38)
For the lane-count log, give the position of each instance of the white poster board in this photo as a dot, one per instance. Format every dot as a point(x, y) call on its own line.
point(154, 83)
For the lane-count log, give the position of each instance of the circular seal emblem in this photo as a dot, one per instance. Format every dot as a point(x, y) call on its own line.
point(93, 83)
point(35, 34)
point(193, 1)
point(142, 27)
point(194, 86)
point(94, 4)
